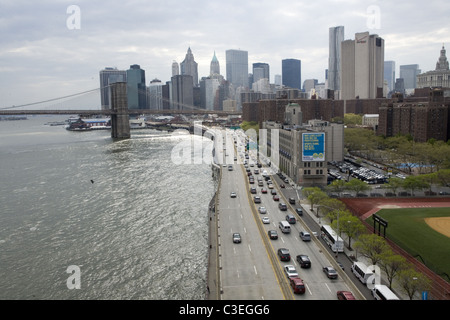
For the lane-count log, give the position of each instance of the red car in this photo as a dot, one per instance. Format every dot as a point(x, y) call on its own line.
point(276, 198)
point(297, 285)
point(263, 190)
point(345, 295)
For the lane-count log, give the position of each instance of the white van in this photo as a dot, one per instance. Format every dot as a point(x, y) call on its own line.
point(382, 292)
point(361, 271)
point(285, 227)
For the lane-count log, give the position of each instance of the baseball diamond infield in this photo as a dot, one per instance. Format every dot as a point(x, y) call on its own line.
point(366, 207)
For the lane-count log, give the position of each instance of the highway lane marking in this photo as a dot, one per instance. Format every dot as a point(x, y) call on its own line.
point(245, 230)
point(249, 248)
point(254, 267)
point(328, 287)
point(307, 287)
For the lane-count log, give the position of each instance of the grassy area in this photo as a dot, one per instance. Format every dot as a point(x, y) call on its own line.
point(408, 229)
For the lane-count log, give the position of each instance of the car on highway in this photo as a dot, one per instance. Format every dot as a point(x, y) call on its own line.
point(299, 211)
point(270, 186)
point(284, 254)
point(305, 236)
point(290, 271)
point(257, 199)
point(276, 198)
point(291, 200)
point(345, 295)
point(330, 272)
point(262, 210)
point(236, 237)
point(233, 195)
point(273, 234)
point(282, 185)
point(304, 261)
point(253, 190)
point(263, 190)
point(290, 218)
point(282, 206)
point(297, 285)
point(265, 220)
point(273, 192)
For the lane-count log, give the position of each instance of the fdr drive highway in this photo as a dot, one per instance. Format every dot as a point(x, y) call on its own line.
point(251, 269)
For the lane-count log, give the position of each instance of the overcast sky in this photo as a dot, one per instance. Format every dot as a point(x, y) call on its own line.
point(49, 49)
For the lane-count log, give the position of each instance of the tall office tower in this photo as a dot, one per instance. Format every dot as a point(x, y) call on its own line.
point(155, 95)
point(409, 74)
point(261, 71)
point(389, 74)
point(237, 67)
point(215, 66)
point(107, 77)
point(190, 67)
point(136, 88)
point(277, 80)
point(336, 36)
point(291, 72)
point(362, 67)
point(175, 68)
point(182, 92)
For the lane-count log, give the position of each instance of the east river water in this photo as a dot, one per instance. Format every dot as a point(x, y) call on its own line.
point(86, 217)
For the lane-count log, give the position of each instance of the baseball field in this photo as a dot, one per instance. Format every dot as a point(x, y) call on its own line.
point(423, 232)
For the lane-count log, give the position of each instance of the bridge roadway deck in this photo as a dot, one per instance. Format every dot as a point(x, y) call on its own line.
point(251, 270)
point(110, 112)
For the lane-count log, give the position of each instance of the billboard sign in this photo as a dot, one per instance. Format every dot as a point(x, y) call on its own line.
point(313, 146)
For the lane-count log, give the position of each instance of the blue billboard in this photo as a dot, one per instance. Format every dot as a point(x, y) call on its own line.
point(313, 146)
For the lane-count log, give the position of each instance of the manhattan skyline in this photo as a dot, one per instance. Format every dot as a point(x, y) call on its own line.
point(56, 48)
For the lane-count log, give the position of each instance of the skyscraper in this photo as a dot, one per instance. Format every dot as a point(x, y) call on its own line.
point(261, 71)
point(389, 74)
point(237, 67)
point(362, 67)
point(336, 36)
point(182, 92)
point(175, 68)
point(409, 74)
point(190, 67)
point(107, 77)
point(291, 70)
point(136, 88)
point(214, 67)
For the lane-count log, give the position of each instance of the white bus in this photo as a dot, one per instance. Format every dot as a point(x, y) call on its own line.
point(382, 292)
point(361, 271)
point(332, 239)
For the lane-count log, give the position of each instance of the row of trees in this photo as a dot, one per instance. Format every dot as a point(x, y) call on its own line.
point(424, 157)
point(369, 245)
point(411, 183)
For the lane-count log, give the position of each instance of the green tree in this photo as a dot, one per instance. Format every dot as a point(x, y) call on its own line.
point(412, 281)
point(372, 247)
point(329, 205)
point(350, 225)
point(314, 195)
point(337, 186)
point(392, 264)
point(357, 186)
point(394, 184)
point(414, 183)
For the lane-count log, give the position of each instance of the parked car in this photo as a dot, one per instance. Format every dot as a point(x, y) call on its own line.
point(236, 237)
point(290, 271)
point(330, 272)
point(284, 254)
